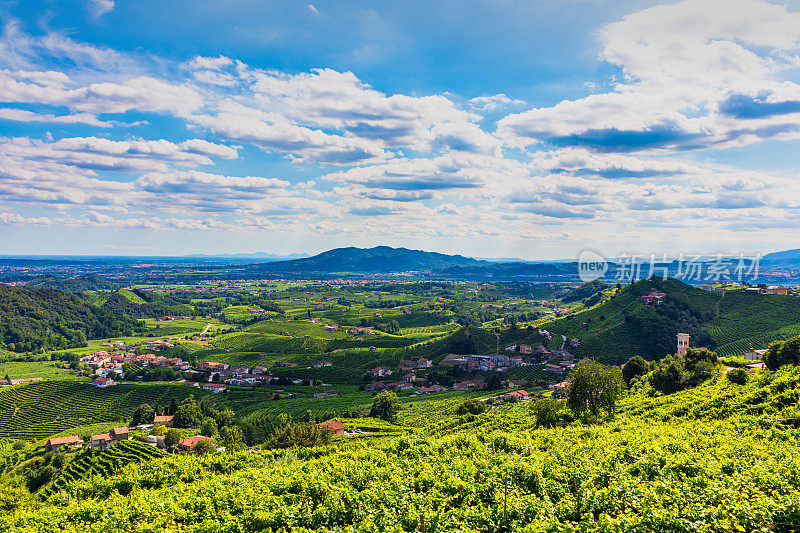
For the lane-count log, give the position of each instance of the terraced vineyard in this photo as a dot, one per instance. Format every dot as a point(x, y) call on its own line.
point(255, 342)
point(38, 410)
point(101, 464)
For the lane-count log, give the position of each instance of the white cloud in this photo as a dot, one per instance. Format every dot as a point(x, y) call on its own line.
point(488, 104)
point(21, 115)
point(681, 63)
point(100, 7)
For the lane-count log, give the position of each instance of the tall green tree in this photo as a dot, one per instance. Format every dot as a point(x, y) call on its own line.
point(386, 406)
point(143, 415)
point(635, 367)
point(188, 415)
point(782, 353)
point(595, 389)
point(171, 438)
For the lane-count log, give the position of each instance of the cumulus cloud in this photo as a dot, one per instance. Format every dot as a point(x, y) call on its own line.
point(692, 75)
point(688, 69)
point(103, 154)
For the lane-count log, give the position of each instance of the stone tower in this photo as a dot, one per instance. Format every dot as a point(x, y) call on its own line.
point(683, 343)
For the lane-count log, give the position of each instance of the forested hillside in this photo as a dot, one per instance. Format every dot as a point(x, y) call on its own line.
point(86, 282)
point(34, 319)
point(624, 325)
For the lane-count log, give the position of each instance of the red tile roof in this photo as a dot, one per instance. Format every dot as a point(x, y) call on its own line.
point(64, 440)
point(188, 442)
point(333, 425)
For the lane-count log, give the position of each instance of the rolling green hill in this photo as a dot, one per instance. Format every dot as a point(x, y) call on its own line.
point(625, 326)
point(33, 319)
point(85, 282)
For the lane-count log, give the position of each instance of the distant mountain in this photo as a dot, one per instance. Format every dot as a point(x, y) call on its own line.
point(785, 257)
point(373, 260)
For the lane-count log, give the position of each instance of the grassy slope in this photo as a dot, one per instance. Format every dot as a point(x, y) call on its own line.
point(742, 320)
point(489, 473)
point(39, 410)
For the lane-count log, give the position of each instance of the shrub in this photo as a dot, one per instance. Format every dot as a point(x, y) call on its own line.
point(473, 406)
point(738, 376)
point(204, 447)
point(635, 367)
point(547, 412)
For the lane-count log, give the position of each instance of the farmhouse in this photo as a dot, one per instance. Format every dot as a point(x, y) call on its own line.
point(211, 365)
point(334, 426)
point(654, 297)
point(379, 372)
point(560, 388)
point(774, 289)
point(213, 387)
point(103, 382)
point(58, 442)
point(186, 445)
point(321, 364)
point(119, 434)
point(102, 442)
point(9, 382)
point(432, 388)
point(519, 395)
point(165, 420)
point(754, 355)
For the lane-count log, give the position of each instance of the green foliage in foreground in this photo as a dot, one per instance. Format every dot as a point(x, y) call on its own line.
point(620, 477)
point(710, 458)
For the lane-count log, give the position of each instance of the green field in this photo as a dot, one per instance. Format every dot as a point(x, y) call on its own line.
point(38, 410)
point(44, 370)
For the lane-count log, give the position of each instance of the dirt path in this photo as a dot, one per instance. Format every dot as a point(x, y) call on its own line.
point(209, 325)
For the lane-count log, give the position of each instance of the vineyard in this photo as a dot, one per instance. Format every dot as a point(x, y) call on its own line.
point(709, 459)
point(93, 464)
point(38, 410)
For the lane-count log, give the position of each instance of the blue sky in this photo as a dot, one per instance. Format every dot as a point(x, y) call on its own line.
point(528, 129)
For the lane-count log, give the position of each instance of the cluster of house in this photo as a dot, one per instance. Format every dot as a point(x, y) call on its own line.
point(772, 289)
point(557, 309)
point(105, 441)
point(408, 382)
point(237, 375)
point(654, 296)
point(105, 363)
point(169, 318)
